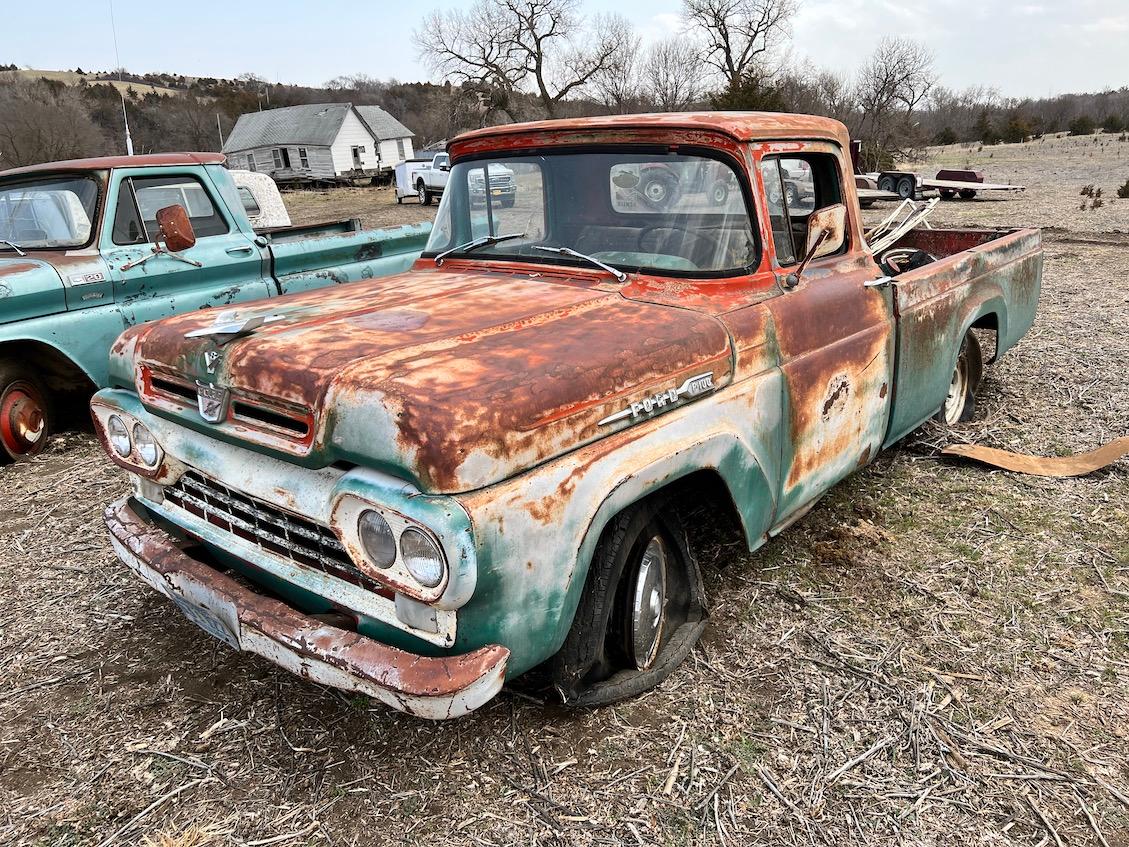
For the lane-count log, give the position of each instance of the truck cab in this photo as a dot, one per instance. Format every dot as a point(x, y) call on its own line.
point(420, 489)
point(83, 257)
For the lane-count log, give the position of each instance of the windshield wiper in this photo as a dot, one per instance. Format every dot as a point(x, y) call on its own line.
point(482, 241)
point(13, 245)
point(568, 251)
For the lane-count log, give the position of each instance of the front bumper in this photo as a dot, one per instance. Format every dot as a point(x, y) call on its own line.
point(435, 688)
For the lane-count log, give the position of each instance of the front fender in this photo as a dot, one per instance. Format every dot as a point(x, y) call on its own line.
point(536, 533)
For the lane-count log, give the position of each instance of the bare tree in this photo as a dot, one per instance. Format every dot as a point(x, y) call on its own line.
point(673, 77)
point(740, 34)
point(890, 86)
point(44, 123)
point(618, 85)
point(546, 45)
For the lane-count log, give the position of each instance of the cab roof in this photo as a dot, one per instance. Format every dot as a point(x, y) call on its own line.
point(103, 163)
point(742, 126)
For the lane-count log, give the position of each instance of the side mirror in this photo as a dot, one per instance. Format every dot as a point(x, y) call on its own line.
point(446, 166)
point(827, 232)
point(176, 229)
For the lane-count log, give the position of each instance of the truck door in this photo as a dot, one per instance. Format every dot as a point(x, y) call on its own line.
point(224, 267)
point(835, 336)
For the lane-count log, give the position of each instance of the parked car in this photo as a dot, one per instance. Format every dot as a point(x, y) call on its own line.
point(83, 256)
point(420, 487)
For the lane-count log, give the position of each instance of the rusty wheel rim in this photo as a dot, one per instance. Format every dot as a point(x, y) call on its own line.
point(23, 420)
point(958, 391)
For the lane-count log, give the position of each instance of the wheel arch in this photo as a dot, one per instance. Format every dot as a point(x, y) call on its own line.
point(60, 372)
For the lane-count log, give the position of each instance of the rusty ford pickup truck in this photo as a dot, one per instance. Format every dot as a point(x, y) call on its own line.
point(421, 487)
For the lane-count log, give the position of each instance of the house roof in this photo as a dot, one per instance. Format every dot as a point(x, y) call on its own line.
point(314, 124)
point(106, 162)
point(383, 125)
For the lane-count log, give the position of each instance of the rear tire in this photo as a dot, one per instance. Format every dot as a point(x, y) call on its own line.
point(423, 194)
point(960, 404)
point(967, 193)
point(887, 183)
point(27, 415)
point(642, 611)
point(948, 193)
point(907, 187)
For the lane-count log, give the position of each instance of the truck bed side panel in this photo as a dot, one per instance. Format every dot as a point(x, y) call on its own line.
point(937, 303)
point(304, 264)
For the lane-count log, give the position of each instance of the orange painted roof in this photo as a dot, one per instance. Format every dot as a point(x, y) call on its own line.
point(743, 126)
point(106, 162)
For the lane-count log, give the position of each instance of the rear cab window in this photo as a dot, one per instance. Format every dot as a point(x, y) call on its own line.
point(141, 197)
point(795, 186)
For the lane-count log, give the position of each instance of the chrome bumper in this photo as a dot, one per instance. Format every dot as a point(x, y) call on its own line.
point(435, 688)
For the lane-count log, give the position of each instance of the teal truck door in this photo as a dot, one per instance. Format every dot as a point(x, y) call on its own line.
point(224, 267)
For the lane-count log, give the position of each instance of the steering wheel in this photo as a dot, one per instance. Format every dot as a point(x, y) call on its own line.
point(710, 243)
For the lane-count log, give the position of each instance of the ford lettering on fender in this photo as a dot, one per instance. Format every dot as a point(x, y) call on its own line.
point(420, 487)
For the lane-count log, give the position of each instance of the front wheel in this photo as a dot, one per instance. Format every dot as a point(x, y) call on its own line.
point(960, 402)
point(641, 613)
point(26, 414)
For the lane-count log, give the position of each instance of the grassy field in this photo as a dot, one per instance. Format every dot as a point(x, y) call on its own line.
point(72, 78)
point(937, 652)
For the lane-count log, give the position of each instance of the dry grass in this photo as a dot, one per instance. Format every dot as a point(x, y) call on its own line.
point(937, 652)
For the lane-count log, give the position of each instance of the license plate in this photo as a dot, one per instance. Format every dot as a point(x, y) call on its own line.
point(496, 192)
point(207, 622)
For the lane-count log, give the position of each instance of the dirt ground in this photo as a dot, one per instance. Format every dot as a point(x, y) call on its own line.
point(936, 652)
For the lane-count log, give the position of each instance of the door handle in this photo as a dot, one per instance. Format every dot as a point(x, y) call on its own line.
point(881, 282)
point(239, 251)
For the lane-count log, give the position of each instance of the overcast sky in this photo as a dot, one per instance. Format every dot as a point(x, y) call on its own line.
point(1025, 48)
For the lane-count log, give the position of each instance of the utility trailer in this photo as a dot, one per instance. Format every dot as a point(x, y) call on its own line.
point(950, 184)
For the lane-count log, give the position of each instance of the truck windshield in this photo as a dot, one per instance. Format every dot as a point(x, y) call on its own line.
point(667, 213)
point(47, 213)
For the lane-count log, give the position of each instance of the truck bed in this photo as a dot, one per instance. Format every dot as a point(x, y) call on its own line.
point(987, 279)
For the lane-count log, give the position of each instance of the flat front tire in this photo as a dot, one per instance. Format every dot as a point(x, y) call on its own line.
point(642, 610)
point(26, 414)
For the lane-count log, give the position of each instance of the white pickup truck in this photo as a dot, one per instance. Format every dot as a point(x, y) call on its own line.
point(427, 181)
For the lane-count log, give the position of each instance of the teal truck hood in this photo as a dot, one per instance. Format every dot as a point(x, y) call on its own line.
point(452, 379)
point(29, 288)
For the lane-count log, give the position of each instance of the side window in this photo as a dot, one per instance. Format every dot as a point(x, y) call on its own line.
point(250, 204)
point(511, 201)
point(796, 186)
point(156, 192)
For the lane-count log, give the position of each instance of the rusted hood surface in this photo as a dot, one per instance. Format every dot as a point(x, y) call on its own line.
point(452, 379)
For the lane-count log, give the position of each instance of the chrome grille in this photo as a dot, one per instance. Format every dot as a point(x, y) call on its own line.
point(301, 541)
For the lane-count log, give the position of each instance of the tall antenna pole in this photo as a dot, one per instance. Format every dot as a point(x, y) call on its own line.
point(121, 81)
point(219, 129)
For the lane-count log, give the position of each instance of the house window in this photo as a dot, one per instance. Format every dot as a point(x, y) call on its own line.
point(357, 152)
point(281, 158)
point(251, 162)
point(400, 149)
point(303, 158)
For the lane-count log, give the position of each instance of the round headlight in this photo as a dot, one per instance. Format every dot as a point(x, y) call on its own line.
point(422, 557)
point(147, 448)
point(377, 539)
point(119, 436)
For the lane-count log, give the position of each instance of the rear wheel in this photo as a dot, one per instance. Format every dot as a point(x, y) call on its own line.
point(26, 415)
point(960, 402)
point(907, 187)
point(948, 193)
point(792, 195)
point(719, 192)
point(641, 613)
point(887, 183)
point(423, 194)
point(967, 193)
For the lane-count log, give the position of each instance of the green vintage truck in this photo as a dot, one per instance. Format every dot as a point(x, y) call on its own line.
point(419, 487)
point(77, 267)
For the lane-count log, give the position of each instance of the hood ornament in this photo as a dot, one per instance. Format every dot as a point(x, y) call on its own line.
point(228, 326)
point(210, 359)
point(664, 400)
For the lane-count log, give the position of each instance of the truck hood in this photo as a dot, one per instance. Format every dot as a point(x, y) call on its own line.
point(29, 288)
point(454, 380)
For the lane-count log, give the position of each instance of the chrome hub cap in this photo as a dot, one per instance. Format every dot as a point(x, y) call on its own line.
point(648, 608)
point(656, 191)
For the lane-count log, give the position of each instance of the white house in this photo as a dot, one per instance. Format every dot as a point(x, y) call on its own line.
point(324, 141)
